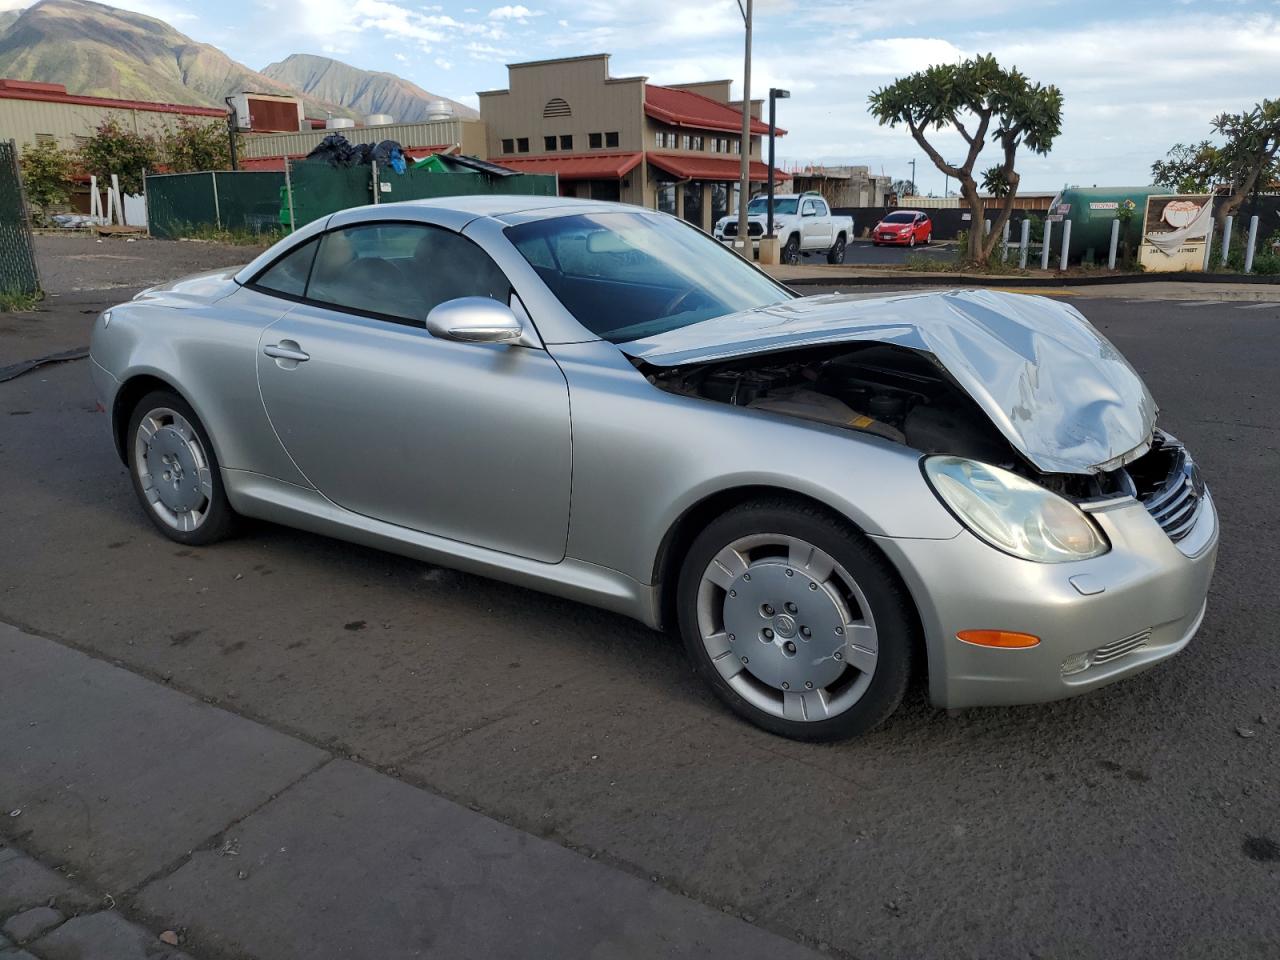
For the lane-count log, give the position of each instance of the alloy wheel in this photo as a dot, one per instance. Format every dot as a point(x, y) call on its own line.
point(787, 627)
point(173, 469)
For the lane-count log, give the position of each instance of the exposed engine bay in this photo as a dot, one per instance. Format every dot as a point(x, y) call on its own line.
point(892, 392)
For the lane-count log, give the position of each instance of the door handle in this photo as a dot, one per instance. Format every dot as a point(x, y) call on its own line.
point(286, 350)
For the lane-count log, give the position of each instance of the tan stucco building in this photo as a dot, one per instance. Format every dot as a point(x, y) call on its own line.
point(674, 148)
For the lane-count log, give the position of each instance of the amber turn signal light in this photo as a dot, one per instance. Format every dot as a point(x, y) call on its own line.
point(1006, 639)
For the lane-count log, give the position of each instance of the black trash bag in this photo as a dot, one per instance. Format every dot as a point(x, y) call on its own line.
point(333, 150)
point(387, 152)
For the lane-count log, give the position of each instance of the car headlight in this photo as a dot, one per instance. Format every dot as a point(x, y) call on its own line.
point(1013, 514)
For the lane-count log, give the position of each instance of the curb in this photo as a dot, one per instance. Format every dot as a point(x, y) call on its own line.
point(906, 279)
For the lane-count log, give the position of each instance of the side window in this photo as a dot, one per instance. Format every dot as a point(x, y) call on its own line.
point(821, 207)
point(807, 209)
point(401, 270)
point(288, 275)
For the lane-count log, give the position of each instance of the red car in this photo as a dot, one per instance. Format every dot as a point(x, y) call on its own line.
point(903, 227)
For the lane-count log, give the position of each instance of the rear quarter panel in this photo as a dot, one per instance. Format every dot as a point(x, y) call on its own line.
point(207, 353)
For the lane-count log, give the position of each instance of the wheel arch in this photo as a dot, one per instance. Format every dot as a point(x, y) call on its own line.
point(680, 536)
point(131, 391)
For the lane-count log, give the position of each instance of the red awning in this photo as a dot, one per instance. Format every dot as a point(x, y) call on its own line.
point(575, 166)
point(693, 167)
point(683, 108)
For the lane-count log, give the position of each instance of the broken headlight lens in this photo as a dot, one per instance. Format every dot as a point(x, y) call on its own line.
point(1013, 514)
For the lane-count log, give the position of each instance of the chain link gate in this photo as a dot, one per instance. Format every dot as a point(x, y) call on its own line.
point(17, 250)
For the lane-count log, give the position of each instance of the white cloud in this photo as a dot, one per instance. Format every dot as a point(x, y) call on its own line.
point(443, 64)
point(519, 13)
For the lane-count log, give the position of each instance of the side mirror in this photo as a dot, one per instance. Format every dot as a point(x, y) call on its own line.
point(474, 320)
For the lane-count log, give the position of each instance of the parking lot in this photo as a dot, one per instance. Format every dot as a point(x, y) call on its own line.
point(1141, 821)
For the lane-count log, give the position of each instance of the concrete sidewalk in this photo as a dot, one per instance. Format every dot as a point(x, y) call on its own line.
point(132, 811)
point(1144, 287)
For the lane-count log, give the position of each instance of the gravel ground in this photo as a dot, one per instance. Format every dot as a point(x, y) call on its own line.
point(1140, 821)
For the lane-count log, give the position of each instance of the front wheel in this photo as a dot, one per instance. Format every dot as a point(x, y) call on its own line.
point(175, 471)
point(796, 621)
point(791, 250)
point(836, 253)
point(912, 241)
point(928, 238)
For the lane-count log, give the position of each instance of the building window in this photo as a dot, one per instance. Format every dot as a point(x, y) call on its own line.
point(556, 107)
point(737, 145)
point(595, 140)
point(522, 145)
point(566, 141)
point(508, 146)
point(684, 141)
point(611, 138)
point(548, 143)
point(695, 143)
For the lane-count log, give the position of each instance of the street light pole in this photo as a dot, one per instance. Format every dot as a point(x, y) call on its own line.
point(744, 187)
point(774, 96)
point(913, 176)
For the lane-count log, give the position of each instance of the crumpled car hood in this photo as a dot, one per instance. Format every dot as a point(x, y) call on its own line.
point(1057, 389)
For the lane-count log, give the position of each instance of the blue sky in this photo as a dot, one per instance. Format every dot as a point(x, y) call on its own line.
point(1137, 76)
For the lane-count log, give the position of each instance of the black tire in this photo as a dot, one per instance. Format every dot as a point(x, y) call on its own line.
point(219, 519)
point(791, 250)
point(888, 599)
point(836, 253)
point(912, 241)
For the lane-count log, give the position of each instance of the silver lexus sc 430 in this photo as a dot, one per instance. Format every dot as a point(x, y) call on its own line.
point(825, 496)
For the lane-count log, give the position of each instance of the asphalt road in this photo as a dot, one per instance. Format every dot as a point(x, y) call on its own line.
point(864, 252)
point(1140, 821)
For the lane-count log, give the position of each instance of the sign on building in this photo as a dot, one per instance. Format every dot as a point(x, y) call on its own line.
point(1175, 230)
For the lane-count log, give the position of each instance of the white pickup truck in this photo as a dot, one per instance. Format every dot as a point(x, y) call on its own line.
point(803, 223)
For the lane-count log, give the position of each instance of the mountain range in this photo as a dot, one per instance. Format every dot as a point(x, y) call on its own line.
point(103, 51)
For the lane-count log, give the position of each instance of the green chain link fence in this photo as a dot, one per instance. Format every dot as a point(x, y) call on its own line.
point(186, 204)
point(18, 273)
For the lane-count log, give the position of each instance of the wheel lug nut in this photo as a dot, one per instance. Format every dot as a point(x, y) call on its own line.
point(805, 632)
point(746, 576)
point(733, 593)
point(839, 655)
point(791, 573)
point(744, 660)
point(791, 607)
point(808, 684)
point(839, 631)
point(768, 610)
point(768, 634)
point(785, 685)
point(732, 638)
point(813, 586)
point(790, 647)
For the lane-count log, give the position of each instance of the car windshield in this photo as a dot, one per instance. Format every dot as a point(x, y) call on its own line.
point(625, 276)
point(761, 205)
point(899, 218)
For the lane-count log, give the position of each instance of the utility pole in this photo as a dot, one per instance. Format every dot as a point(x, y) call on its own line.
point(914, 188)
point(744, 188)
point(774, 96)
point(233, 124)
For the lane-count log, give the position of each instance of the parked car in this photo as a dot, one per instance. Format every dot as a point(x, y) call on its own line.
point(903, 228)
point(802, 222)
point(826, 496)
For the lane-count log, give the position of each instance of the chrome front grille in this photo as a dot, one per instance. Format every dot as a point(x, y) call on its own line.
point(1173, 502)
point(1120, 648)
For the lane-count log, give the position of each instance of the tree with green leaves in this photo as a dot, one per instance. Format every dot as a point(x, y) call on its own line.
point(190, 147)
point(113, 149)
point(984, 103)
point(1247, 160)
point(47, 170)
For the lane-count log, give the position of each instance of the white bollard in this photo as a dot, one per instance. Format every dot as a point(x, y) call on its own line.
point(1066, 244)
point(1115, 242)
point(986, 228)
point(1024, 244)
point(1004, 243)
point(1208, 246)
point(1044, 247)
point(1226, 238)
point(1249, 247)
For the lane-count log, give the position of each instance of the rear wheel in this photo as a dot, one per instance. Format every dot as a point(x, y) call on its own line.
point(912, 241)
point(175, 471)
point(836, 253)
point(796, 621)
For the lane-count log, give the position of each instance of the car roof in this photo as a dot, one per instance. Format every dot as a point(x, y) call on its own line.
point(498, 206)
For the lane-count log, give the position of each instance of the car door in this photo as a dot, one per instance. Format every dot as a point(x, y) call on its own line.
point(817, 226)
point(468, 441)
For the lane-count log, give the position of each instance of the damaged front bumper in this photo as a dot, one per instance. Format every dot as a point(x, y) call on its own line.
point(1098, 620)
